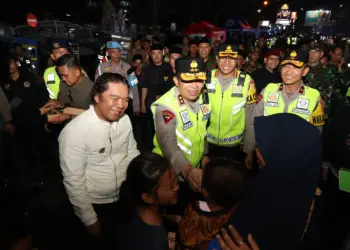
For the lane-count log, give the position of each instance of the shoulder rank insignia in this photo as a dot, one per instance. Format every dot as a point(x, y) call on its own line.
point(181, 100)
point(235, 73)
point(280, 88)
point(301, 90)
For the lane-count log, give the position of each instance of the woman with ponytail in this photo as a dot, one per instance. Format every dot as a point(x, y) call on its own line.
point(150, 185)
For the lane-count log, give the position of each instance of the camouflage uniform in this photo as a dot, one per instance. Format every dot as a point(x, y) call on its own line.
point(322, 79)
point(341, 85)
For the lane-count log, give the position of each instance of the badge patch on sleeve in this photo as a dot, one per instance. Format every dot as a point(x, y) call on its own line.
point(318, 117)
point(251, 93)
point(167, 116)
point(259, 98)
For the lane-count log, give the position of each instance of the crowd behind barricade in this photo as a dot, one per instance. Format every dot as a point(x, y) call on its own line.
point(203, 145)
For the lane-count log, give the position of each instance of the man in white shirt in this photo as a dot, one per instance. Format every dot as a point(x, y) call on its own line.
point(95, 150)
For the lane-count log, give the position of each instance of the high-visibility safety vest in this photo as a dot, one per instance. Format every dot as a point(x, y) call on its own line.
point(190, 129)
point(52, 81)
point(308, 105)
point(227, 120)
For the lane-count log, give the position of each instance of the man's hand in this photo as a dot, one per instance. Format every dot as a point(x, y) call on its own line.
point(10, 128)
point(53, 104)
point(194, 179)
point(171, 240)
point(226, 242)
point(249, 160)
point(205, 161)
point(61, 118)
point(143, 109)
point(94, 230)
point(340, 64)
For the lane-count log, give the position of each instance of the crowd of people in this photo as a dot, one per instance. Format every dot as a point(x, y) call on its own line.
point(199, 146)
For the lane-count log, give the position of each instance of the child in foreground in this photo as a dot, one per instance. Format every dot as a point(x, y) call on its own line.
point(224, 183)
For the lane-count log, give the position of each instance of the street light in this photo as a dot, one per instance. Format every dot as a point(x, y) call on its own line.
point(341, 6)
point(259, 10)
point(266, 3)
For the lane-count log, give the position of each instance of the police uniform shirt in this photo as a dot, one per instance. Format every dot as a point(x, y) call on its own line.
point(166, 135)
point(288, 98)
point(109, 67)
point(76, 96)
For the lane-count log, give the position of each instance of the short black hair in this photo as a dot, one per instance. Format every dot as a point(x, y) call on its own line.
point(101, 84)
point(226, 181)
point(69, 60)
point(337, 47)
point(137, 57)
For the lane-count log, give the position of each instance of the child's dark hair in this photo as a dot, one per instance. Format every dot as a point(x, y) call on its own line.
point(226, 181)
point(143, 176)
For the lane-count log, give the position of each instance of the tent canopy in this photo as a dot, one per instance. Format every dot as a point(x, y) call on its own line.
point(207, 29)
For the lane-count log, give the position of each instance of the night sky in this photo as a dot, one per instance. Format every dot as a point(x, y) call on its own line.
point(180, 11)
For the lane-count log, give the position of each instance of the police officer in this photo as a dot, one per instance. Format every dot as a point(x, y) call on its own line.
point(291, 96)
point(51, 78)
point(116, 65)
point(233, 96)
point(181, 119)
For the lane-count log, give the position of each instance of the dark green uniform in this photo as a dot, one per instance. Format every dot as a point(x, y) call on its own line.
point(323, 79)
point(341, 85)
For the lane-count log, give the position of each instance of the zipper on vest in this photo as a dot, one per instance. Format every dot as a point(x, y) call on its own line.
point(200, 138)
point(222, 100)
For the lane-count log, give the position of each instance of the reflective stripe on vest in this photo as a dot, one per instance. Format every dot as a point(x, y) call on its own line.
point(302, 106)
point(54, 87)
point(190, 139)
point(227, 120)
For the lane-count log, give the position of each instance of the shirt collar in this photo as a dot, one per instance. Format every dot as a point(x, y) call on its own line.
point(112, 125)
point(301, 88)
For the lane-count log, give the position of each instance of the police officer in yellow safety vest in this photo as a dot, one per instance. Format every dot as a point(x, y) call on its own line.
point(232, 95)
point(180, 121)
point(51, 78)
point(291, 96)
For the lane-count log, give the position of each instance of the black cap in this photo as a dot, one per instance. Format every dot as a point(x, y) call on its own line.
point(190, 69)
point(316, 46)
point(137, 57)
point(242, 53)
point(175, 50)
point(297, 58)
point(204, 39)
point(58, 45)
point(228, 50)
point(156, 46)
point(192, 41)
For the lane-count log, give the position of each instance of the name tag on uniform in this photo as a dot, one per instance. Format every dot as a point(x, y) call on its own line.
point(205, 111)
point(211, 87)
point(237, 90)
point(50, 78)
point(186, 120)
point(272, 100)
point(302, 106)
